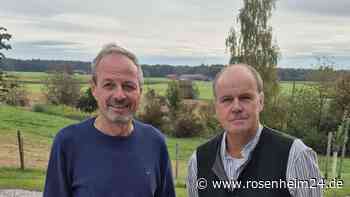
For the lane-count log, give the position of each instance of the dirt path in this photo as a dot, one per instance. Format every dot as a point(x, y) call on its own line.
point(19, 193)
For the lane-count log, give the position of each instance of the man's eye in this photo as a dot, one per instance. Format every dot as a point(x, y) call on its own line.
point(245, 98)
point(108, 85)
point(224, 100)
point(129, 87)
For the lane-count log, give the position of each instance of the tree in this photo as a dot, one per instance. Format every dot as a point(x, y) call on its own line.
point(253, 45)
point(11, 91)
point(5, 86)
point(303, 117)
point(341, 100)
point(173, 95)
point(61, 88)
point(4, 36)
point(324, 78)
point(154, 109)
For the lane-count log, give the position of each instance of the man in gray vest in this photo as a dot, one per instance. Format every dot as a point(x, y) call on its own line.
point(249, 159)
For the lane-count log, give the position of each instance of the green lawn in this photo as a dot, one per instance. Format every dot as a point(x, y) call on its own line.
point(157, 83)
point(30, 179)
point(286, 87)
point(38, 130)
point(39, 76)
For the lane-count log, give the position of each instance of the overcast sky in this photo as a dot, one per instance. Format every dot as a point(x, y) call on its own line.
point(175, 32)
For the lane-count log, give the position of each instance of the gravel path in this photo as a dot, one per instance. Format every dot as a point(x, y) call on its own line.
point(19, 193)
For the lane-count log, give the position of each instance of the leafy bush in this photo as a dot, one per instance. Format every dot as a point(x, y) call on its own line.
point(87, 102)
point(39, 108)
point(173, 95)
point(154, 109)
point(61, 88)
point(186, 122)
point(208, 118)
point(11, 91)
point(17, 96)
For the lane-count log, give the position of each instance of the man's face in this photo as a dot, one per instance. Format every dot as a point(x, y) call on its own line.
point(117, 89)
point(238, 103)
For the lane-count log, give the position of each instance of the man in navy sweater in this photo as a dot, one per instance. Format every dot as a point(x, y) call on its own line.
point(111, 155)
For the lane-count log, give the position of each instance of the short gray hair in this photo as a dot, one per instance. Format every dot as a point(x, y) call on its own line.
point(255, 73)
point(113, 48)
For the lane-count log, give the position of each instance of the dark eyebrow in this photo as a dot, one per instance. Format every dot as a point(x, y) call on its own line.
point(225, 97)
point(246, 94)
point(130, 83)
point(106, 80)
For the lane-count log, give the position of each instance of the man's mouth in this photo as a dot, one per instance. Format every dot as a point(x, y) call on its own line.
point(119, 107)
point(239, 119)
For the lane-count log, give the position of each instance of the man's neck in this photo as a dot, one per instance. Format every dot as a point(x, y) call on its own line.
point(113, 129)
point(235, 142)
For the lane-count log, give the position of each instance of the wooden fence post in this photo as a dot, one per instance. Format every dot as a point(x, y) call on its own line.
point(328, 153)
point(20, 149)
point(345, 141)
point(176, 159)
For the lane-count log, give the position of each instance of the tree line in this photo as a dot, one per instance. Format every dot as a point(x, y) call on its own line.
point(158, 70)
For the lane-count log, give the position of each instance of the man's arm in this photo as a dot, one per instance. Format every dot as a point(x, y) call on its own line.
point(57, 182)
point(166, 187)
point(302, 165)
point(191, 182)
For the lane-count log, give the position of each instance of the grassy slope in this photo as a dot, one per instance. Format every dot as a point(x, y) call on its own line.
point(38, 130)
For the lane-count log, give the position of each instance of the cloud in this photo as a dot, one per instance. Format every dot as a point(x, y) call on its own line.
point(187, 30)
point(47, 43)
point(319, 7)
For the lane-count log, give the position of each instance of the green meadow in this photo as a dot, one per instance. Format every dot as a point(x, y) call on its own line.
point(38, 130)
point(33, 84)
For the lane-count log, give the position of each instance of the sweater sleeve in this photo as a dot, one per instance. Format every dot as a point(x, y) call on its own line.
point(57, 180)
point(166, 186)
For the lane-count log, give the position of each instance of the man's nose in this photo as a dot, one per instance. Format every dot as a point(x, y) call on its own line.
point(119, 93)
point(236, 106)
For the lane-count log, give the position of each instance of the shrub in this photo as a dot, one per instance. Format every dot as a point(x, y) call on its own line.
point(17, 96)
point(61, 88)
point(173, 95)
point(154, 109)
point(11, 91)
point(87, 102)
point(39, 108)
point(207, 117)
point(186, 122)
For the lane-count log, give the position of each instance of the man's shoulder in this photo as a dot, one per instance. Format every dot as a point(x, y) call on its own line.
point(277, 135)
point(211, 143)
point(73, 130)
point(149, 131)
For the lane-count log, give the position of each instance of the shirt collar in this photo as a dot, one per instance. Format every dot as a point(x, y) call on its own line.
point(247, 149)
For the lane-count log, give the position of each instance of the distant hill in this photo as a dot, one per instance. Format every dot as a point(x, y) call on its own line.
point(38, 65)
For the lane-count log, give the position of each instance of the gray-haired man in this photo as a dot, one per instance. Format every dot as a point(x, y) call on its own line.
point(248, 159)
point(113, 154)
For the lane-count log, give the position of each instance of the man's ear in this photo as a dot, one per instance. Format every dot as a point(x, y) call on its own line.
point(261, 100)
point(93, 88)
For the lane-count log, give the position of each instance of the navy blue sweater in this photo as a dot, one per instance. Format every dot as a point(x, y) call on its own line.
point(84, 162)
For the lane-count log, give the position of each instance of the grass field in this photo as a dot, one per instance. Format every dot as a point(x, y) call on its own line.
point(157, 83)
point(38, 130)
point(205, 88)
